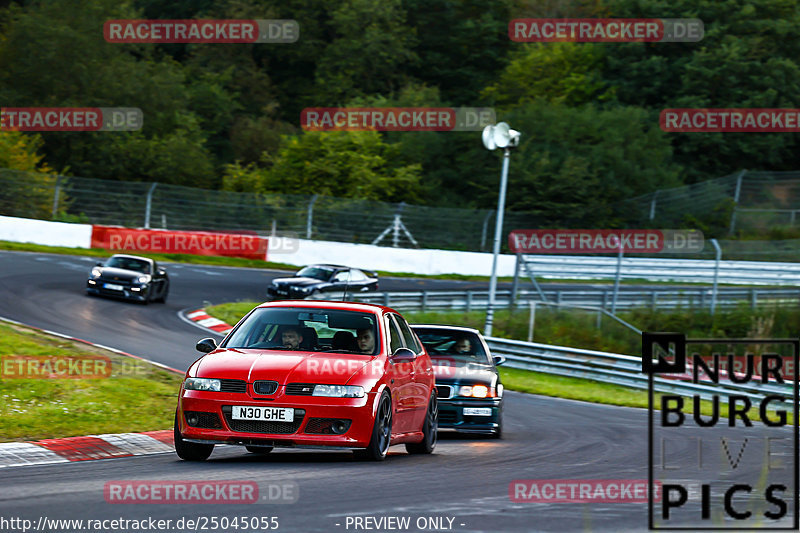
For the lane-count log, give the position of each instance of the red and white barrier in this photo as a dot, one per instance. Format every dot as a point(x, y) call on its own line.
point(297, 252)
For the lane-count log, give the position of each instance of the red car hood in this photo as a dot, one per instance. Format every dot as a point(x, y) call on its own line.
point(281, 366)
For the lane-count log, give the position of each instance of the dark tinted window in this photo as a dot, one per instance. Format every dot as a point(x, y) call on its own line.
point(452, 343)
point(320, 273)
point(395, 337)
point(130, 263)
point(410, 338)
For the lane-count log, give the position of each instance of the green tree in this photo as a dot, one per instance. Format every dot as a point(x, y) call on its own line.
point(27, 183)
point(747, 58)
point(348, 164)
point(569, 73)
point(573, 163)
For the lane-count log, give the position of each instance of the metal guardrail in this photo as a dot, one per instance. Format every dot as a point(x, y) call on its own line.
point(655, 298)
point(657, 269)
point(614, 368)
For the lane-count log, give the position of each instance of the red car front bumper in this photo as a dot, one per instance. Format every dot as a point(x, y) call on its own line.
point(360, 412)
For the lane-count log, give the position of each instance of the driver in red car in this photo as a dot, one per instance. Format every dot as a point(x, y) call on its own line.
point(366, 340)
point(291, 338)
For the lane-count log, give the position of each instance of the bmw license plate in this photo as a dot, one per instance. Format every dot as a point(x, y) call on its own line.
point(112, 287)
point(267, 414)
point(478, 411)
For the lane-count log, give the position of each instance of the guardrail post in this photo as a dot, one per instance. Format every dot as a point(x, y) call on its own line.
point(386, 299)
point(653, 300)
point(424, 300)
point(532, 320)
point(310, 215)
point(148, 205)
point(605, 299)
point(753, 298)
point(469, 301)
point(558, 297)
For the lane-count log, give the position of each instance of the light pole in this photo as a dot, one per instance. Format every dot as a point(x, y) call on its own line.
point(499, 136)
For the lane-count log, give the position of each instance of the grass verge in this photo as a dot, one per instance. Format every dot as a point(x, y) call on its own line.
point(137, 396)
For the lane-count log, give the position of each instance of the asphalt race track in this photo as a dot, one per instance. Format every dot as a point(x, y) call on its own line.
point(467, 479)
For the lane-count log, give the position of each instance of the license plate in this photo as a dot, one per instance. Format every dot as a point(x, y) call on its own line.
point(112, 286)
point(478, 411)
point(267, 414)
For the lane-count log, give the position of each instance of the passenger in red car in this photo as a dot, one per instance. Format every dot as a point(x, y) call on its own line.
point(366, 340)
point(291, 338)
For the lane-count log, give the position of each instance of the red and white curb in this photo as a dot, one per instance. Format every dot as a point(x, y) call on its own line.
point(88, 448)
point(201, 318)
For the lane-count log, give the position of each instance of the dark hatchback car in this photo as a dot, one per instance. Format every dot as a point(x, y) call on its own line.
point(130, 277)
point(469, 389)
point(314, 280)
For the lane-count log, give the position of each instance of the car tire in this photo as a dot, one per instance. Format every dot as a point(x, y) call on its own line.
point(259, 450)
point(190, 451)
point(381, 432)
point(429, 429)
point(163, 298)
point(498, 433)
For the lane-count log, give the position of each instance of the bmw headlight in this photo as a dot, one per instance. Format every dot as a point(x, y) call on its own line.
point(304, 289)
point(475, 391)
point(201, 384)
point(96, 272)
point(143, 279)
point(339, 391)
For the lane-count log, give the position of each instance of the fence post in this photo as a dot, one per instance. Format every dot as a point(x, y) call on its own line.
point(716, 275)
point(616, 281)
point(56, 195)
point(469, 301)
point(736, 200)
point(515, 284)
point(424, 300)
point(148, 205)
point(653, 206)
point(310, 215)
point(485, 228)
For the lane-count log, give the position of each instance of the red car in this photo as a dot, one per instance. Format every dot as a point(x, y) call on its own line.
point(310, 374)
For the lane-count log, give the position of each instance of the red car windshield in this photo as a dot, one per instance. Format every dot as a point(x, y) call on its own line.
point(307, 329)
